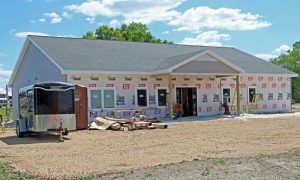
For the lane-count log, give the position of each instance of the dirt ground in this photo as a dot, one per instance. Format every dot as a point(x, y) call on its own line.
point(278, 166)
point(98, 152)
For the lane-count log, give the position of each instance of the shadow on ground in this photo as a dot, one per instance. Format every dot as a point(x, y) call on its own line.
point(32, 139)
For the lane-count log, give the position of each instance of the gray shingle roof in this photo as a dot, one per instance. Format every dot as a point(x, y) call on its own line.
point(102, 55)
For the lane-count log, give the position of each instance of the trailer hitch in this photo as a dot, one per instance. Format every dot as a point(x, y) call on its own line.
point(60, 133)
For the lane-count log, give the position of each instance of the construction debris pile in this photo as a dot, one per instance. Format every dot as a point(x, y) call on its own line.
point(119, 124)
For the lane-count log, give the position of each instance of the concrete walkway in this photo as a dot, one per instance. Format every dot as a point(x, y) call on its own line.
point(229, 117)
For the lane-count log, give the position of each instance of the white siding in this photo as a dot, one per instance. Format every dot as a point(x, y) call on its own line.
point(34, 68)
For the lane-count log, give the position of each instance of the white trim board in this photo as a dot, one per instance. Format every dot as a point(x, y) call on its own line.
point(44, 53)
point(20, 58)
point(209, 52)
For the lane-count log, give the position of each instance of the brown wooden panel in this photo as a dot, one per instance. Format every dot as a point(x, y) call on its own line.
point(81, 107)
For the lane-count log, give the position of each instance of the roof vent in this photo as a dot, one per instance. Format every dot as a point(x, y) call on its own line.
point(76, 78)
point(143, 78)
point(158, 78)
point(186, 78)
point(199, 78)
point(111, 78)
point(128, 78)
point(94, 78)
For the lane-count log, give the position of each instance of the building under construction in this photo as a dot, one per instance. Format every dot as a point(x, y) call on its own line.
point(158, 79)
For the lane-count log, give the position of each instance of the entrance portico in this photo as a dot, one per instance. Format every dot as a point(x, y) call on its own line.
point(205, 64)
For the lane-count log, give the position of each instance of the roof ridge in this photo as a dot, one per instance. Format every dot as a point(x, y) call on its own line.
point(185, 54)
point(116, 41)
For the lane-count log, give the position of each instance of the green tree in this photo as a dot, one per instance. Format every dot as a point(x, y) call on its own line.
point(296, 45)
point(291, 61)
point(89, 35)
point(137, 32)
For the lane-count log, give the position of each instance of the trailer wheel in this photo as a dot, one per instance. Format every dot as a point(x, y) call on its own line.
point(66, 132)
point(18, 131)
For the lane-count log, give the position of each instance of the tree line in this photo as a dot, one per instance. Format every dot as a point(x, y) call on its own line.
point(136, 32)
point(291, 61)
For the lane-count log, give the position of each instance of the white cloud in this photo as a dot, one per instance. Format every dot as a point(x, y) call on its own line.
point(68, 35)
point(148, 11)
point(4, 77)
point(282, 49)
point(265, 56)
point(275, 53)
point(166, 32)
point(92, 9)
point(42, 20)
point(91, 20)
point(55, 18)
point(25, 34)
point(114, 23)
point(209, 38)
point(145, 11)
point(148, 16)
point(196, 19)
point(52, 15)
point(66, 15)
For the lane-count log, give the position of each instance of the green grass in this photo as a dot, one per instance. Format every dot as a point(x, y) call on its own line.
point(206, 171)
point(6, 172)
point(3, 113)
point(261, 155)
point(86, 178)
point(218, 161)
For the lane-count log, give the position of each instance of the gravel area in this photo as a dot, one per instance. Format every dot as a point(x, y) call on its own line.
point(97, 152)
point(279, 166)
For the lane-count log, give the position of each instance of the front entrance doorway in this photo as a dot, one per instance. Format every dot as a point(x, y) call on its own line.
point(187, 97)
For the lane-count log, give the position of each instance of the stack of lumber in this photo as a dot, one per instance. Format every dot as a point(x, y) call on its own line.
point(120, 124)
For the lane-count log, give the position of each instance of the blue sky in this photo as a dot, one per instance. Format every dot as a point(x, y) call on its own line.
point(262, 28)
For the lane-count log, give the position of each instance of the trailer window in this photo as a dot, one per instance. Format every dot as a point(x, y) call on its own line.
point(54, 102)
point(65, 102)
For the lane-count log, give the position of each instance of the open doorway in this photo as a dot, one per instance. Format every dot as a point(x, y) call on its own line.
point(251, 94)
point(187, 97)
point(226, 94)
